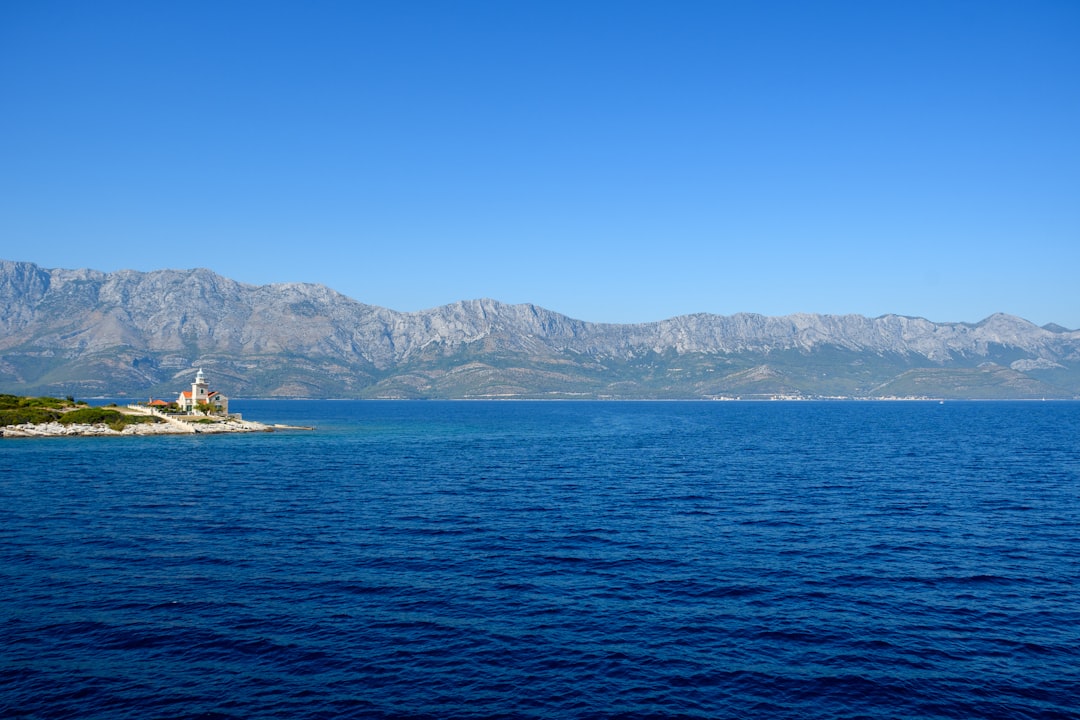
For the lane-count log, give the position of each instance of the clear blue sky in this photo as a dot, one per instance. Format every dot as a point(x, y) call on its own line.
point(613, 161)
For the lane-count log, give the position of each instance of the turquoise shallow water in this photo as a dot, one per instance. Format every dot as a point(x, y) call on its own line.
point(562, 559)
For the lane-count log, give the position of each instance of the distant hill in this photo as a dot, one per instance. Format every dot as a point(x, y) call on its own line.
point(86, 333)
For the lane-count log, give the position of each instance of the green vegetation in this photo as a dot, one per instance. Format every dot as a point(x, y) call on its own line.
point(18, 416)
point(17, 410)
point(90, 416)
point(104, 415)
point(12, 402)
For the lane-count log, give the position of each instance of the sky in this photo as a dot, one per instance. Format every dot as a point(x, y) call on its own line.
point(613, 161)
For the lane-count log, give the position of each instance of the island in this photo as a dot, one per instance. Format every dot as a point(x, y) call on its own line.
point(199, 410)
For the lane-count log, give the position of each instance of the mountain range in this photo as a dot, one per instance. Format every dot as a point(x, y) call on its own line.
point(141, 334)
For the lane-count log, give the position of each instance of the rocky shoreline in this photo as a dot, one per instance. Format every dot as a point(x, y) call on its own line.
point(176, 427)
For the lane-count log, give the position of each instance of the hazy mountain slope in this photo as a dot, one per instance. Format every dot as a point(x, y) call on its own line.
point(88, 332)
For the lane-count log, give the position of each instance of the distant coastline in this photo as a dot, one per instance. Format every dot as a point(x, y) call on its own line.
point(134, 334)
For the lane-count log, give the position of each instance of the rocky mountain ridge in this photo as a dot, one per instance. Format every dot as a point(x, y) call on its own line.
point(88, 332)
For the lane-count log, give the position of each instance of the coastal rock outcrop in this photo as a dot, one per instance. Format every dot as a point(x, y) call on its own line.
point(55, 429)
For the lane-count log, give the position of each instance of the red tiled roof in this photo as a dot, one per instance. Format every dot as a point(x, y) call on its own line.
point(211, 394)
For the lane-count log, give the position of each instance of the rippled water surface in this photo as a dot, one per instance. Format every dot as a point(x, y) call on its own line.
point(486, 559)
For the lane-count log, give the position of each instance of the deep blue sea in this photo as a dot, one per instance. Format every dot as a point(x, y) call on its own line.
point(551, 560)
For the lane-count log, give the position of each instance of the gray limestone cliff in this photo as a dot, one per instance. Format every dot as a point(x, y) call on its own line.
point(88, 332)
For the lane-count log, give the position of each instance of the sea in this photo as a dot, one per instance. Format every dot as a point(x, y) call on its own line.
point(429, 559)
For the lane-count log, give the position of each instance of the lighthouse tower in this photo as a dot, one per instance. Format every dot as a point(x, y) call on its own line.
point(200, 391)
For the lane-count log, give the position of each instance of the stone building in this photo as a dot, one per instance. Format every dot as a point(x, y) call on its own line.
point(200, 393)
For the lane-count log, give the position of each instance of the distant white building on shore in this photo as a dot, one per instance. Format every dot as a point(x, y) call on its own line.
point(201, 394)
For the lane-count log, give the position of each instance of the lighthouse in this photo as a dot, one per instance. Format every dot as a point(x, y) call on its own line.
point(200, 393)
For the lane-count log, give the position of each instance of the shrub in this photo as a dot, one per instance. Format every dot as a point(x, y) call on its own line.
point(140, 420)
point(44, 402)
point(18, 416)
point(90, 416)
point(13, 402)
